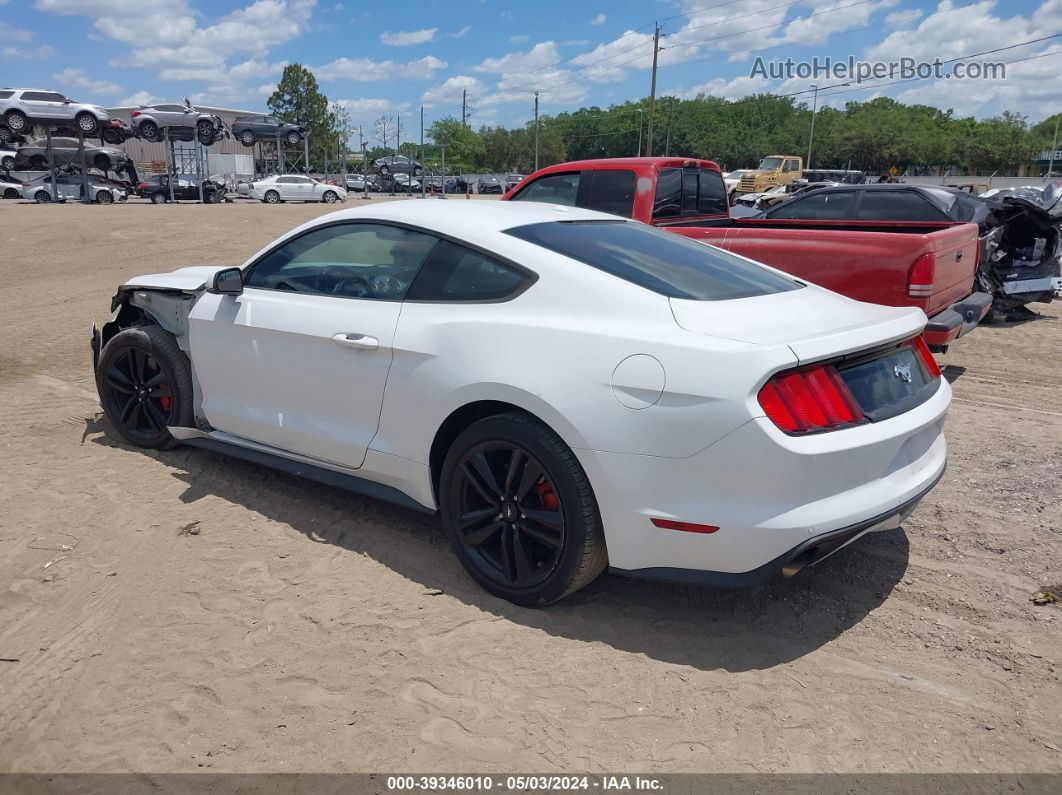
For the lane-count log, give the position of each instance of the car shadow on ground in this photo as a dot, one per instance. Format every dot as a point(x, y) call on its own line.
point(707, 628)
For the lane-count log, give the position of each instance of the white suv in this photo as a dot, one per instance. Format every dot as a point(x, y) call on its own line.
point(21, 107)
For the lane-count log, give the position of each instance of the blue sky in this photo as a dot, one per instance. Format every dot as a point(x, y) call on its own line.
point(386, 58)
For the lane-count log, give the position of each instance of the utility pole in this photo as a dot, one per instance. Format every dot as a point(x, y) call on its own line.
point(536, 131)
point(670, 111)
point(652, 93)
point(1054, 148)
point(464, 100)
point(811, 135)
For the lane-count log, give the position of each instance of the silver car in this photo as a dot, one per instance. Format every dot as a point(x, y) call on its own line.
point(41, 191)
point(34, 154)
point(149, 120)
point(20, 108)
point(7, 158)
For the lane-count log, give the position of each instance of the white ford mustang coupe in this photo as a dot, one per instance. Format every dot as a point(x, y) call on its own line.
point(570, 390)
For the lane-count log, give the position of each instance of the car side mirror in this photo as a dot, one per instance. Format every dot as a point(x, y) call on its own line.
point(227, 282)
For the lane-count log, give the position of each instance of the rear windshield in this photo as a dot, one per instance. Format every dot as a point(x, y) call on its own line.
point(660, 261)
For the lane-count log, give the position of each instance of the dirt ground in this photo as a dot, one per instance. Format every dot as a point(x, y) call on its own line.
point(181, 611)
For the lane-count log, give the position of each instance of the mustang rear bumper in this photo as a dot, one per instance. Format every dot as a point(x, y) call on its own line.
point(788, 563)
point(957, 320)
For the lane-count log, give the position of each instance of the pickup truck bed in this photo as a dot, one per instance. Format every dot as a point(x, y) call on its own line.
point(871, 262)
point(929, 265)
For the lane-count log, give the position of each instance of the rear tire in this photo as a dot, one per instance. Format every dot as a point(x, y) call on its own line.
point(546, 539)
point(247, 138)
point(149, 131)
point(293, 139)
point(271, 197)
point(158, 198)
point(145, 385)
point(384, 171)
point(205, 133)
point(16, 122)
point(42, 197)
point(38, 163)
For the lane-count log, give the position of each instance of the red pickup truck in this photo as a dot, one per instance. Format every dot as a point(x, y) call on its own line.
point(927, 264)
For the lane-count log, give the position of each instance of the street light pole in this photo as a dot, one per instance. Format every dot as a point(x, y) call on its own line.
point(811, 135)
point(536, 131)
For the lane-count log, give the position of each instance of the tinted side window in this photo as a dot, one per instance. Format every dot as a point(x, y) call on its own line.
point(689, 191)
point(660, 261)
point(6, 94)
point(353, 260)
point(552, 189)
point(35, 96)
point(456, 273)
point(612, 192)
point(896, 205)
point(826, 206)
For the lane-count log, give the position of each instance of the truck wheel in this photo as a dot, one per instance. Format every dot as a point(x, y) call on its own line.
point(145, 385)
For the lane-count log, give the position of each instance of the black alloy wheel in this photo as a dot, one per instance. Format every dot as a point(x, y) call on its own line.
point(144, 383)
point(510, 519)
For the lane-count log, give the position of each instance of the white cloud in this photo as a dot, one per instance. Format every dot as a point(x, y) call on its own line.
point(27, 53)
point(598, 20)
point(450, 90)
point(460, 34)
point(367, 70)
point(139, 98)
point(523, 38)
point(75, 77)
point(904, 17)
point(407, 37)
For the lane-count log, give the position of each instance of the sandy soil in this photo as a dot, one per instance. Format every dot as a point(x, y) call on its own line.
point(179, 611)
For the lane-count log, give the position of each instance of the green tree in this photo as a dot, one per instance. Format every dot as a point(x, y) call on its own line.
point(298, 98)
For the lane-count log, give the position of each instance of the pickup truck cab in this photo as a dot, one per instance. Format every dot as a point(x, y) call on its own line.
point(925, 264)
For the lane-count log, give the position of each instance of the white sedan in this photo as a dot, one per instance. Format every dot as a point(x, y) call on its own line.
point(569, 390)
point(295, 188)
point(70, 188)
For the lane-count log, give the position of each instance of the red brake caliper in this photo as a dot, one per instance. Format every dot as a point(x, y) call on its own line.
point(547, 498)
point(164, 401)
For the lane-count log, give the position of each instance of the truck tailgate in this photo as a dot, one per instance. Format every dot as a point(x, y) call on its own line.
point(955, 252)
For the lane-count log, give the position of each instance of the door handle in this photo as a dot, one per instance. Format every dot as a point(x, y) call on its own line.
point(360, 341)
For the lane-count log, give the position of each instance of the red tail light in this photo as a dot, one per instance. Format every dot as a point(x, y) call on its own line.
point(804, 401)
point(134, 114)
point(142, 186)
point(927, 357)
point(920, 278)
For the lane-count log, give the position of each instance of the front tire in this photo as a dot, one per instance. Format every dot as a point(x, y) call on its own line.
point(104, 197)
point(384, 171)
point(271, 197)
point(520, 512)
point(87, 123)
point(145, 385)
point(247, 138)
point(293, 139)
point(329, 197)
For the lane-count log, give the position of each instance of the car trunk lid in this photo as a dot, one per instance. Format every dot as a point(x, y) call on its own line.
point(814, 323)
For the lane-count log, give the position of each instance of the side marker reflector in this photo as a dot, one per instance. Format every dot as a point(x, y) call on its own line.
point(685, 527)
